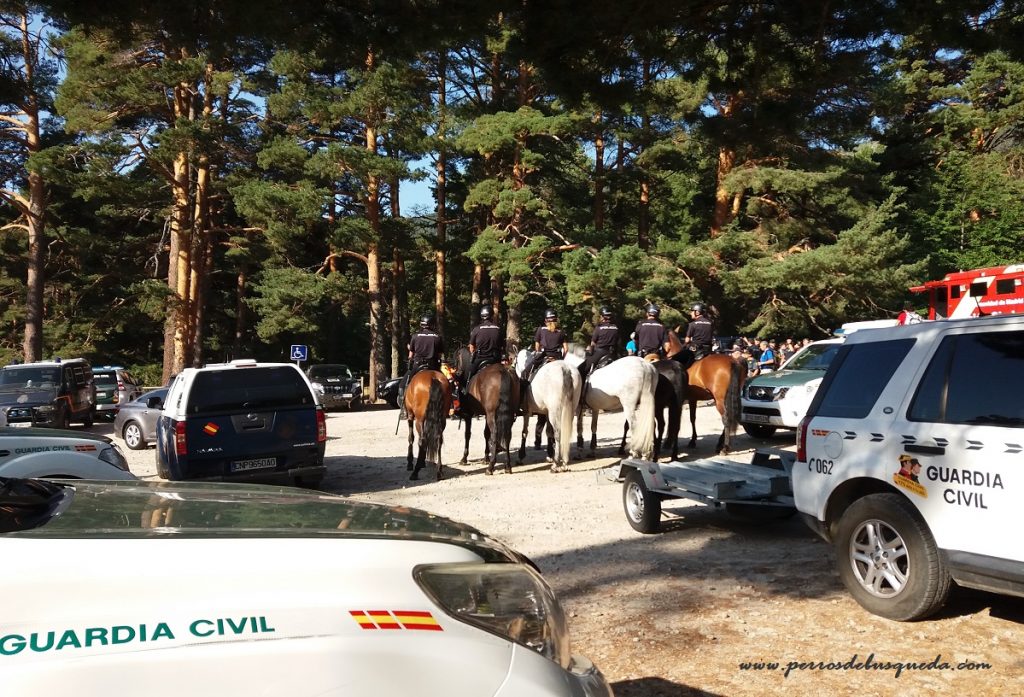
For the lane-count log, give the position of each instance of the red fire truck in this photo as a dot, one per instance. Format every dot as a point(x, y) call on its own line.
point(998, 290)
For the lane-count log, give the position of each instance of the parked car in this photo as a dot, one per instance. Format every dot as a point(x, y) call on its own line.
point(276, 591)
point(115, 387)
point(389, 392)
point(779, 399)
point(242, 420)
point(48, 393)
point(136, 420)
point(335, 385)
point(909, 462)
point(47, 452)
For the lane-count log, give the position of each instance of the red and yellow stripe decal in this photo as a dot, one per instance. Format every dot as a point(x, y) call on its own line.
point(211, 429)
point(397, 619)
point(85, 448)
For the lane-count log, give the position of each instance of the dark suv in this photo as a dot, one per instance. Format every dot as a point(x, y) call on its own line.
point(48, 393)
point(115, 387)
point(335, 385)
point(242, 420)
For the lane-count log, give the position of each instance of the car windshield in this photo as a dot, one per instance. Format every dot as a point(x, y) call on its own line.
point(814, 357)
point(30, 378)
point(320, 372)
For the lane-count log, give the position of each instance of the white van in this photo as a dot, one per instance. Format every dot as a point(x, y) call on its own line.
point(911, 459)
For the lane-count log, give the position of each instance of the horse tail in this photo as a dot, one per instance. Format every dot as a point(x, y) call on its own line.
point(732, 398)
point(569, 404)
point(433, 421)
point(642, 440)
point(504, 415)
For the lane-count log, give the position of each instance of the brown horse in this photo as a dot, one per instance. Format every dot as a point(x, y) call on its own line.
point(716, 377)
point(494, 394)
point(427, 400)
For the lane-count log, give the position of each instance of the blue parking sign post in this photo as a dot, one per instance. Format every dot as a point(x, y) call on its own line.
point(298, 353)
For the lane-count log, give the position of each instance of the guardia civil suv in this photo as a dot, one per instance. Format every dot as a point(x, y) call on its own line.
point(911, 461)
point(167, 589)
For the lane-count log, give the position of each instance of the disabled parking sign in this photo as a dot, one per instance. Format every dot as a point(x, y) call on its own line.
point(298, 352)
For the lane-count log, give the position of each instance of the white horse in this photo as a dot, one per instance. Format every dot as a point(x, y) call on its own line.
point(627, 384)
point(554, 391)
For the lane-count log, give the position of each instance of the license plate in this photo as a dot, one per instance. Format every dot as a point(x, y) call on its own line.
point(347, 395)
point(756, 418)
point(21, 424)
point(257, 464)
point(101, 394)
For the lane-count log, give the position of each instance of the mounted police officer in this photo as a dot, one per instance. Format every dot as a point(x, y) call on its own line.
point(549, 342)
point(425, 352)
point(485, 344)
point(651, 335)
point(603, 344)
point(700, 334)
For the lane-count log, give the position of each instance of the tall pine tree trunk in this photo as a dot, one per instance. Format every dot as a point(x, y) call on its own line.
point(599, 174)
point(643, 223)
point(373, 250)
point(441, 196)
point(398, 291)
point(177, 329)
point(34, 209)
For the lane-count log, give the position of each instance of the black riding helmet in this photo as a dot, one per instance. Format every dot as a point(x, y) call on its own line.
point(550, 315)
point(653, 310)
point(426, 321)
point(700, 309)
point(606, 311)
point(485, 313)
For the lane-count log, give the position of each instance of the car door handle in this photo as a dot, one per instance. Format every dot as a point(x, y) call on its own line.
point(925, 449)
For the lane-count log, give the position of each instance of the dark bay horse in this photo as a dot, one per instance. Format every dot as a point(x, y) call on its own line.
point(427, 400)
point(716, 377)
point(493, 393)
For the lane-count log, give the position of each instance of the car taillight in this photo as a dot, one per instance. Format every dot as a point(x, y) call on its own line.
point(115, 398)
point(801, 439)
point(321, 426)
point(179, 438)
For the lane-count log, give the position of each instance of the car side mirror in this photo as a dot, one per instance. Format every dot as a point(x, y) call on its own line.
point(154, 403)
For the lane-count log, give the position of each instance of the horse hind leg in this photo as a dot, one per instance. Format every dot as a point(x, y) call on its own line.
point(465, 452)
point(551, 441)
point(622, 445)
point(490, 449)
point(542, 420)
point(693, 423)
point(408, 458)
point(526, 431)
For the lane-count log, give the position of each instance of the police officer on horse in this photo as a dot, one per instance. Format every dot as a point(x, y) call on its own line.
point(651, 335)
point(603, 344)
point(425, 352)
point(485, 342)
point(700, 334)
point(549, 342)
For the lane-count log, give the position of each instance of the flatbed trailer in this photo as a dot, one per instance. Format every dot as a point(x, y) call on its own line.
point(760, 489)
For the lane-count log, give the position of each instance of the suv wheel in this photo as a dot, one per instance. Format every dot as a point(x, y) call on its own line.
point(133, 437)
point(759, 430)
point(642, 506)
point(888, 559)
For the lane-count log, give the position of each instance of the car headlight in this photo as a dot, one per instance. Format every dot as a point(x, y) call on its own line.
point(45, 410)
point(113, 455)
point(318, 387)
point(510, 600)
point(781, 392)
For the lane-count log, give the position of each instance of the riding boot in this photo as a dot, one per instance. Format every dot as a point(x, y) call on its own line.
point(402, 387)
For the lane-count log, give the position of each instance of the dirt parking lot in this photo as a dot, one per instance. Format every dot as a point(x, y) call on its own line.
point(684, 612)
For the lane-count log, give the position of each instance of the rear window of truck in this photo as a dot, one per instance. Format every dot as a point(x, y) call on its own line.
point(247, 389)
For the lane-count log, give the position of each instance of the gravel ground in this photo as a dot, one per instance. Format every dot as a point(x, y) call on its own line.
point(677, 613)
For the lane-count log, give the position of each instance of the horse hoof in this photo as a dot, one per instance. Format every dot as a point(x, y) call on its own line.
point(414, 476)
point(463, 462)
point(508, 470)
point(488, 471)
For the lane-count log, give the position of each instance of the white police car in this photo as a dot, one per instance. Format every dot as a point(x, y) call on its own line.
point(169, 589)
point(46, 452)
point(911, 460)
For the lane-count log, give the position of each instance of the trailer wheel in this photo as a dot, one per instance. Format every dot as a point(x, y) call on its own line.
point(642, 507)
point(888, 559)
